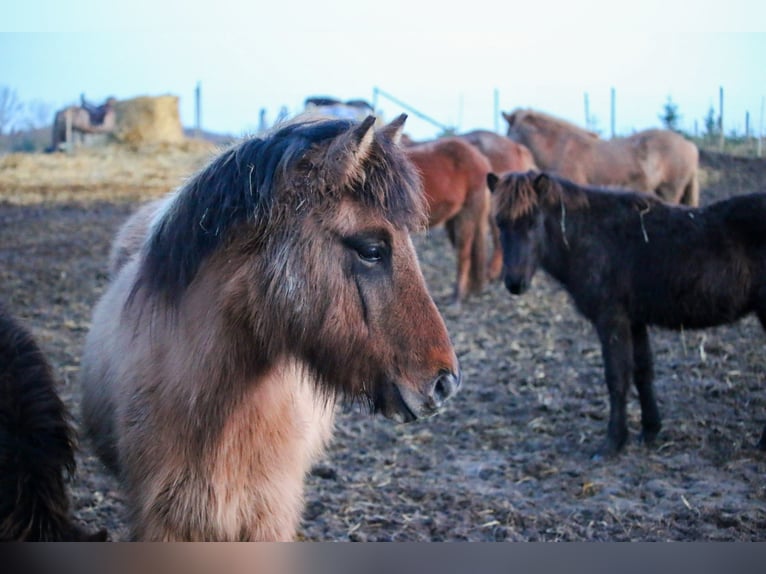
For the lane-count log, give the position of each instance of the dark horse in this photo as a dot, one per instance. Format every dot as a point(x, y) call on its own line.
point(36, 444)
point(279, 278)
point(629, 260)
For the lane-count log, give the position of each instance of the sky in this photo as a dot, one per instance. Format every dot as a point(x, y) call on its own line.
point(458, 62)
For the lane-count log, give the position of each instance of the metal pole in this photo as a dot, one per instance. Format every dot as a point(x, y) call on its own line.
point(418, 113)
point(613, 97)
point(198, 110)
point(760, 130)
point(720, 119)
point(497, 111)
point(587, 111)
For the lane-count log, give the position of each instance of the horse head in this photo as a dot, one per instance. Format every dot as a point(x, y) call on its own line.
point(516, 207)
point(302, 240)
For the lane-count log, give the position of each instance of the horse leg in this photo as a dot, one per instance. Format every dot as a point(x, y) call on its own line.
point(462, 233)
point(614, 331)
point(762, 443)
point(449, 227)
point(643, 376)
point(691, 193)
point(478, 275)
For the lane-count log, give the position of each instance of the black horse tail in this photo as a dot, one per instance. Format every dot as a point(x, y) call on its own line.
point(37, 444)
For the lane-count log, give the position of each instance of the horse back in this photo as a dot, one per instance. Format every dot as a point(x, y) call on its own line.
point(504, 154)
point(670, 266)
point(453, 172)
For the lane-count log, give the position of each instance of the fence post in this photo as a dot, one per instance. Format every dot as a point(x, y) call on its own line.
point(198, 110)
point(720, 120)
point(613, 105)
point(68, 133)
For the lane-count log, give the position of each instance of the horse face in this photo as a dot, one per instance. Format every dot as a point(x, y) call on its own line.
point(380, 336)
point(519, 239)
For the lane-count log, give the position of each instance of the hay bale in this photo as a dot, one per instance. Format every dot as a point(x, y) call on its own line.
point(148, 120)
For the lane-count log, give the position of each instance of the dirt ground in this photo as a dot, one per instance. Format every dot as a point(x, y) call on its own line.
point(509, 459)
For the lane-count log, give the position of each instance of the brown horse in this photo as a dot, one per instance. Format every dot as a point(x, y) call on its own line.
point(279, 278)
point(37, 444)
point(505, 156)
point(652, 161)
point(454, 176)
point(630, 260)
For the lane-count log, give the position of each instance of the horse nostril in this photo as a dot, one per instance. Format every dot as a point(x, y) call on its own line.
point(515, 286)
point(444, 387)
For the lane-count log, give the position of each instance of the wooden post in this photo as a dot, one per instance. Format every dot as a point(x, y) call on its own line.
point(68, 133)
point(613, 98)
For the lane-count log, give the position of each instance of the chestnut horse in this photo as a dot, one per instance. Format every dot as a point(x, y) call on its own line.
point(280, 278)
point(630, 260)
point(504, 155)
point(454, 176)
point(654, 161)
point(36, 444)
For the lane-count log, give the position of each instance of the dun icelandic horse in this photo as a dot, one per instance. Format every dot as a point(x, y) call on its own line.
point(630, 260)
point(280, 278)
point(36, 444)
point(84, 120)
point(454, 176)
point(504, 155)
point(661, 162)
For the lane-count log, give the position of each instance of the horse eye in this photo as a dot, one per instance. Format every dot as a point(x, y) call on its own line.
point(371, 253)
point(368, 249)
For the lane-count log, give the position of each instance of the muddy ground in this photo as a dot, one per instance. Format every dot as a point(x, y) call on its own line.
point(510, 458)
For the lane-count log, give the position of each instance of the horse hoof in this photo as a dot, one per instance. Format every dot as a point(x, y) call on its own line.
point(608, 450)
point(648, 439)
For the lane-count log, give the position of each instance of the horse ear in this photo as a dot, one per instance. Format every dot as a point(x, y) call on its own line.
point(543, 183)
point(508, 117)
point(492, 180)
point(394, 130)
point(344, 159)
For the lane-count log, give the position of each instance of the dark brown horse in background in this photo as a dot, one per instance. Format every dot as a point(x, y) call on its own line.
point(505, 156)
point(37, 444)
point(279, 278)
point(660, 162)
point(630, 260)
point(454, 176)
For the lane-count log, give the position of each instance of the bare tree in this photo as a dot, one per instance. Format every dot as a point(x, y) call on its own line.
point(38, 114)
point(10, 108)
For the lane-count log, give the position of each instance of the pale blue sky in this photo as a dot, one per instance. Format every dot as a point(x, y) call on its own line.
point(446, 59)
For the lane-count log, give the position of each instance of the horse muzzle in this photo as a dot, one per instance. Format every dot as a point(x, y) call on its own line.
point(406, 404)
point(516, 285)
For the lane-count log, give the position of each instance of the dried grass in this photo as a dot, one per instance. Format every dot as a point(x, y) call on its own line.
point(115, 172)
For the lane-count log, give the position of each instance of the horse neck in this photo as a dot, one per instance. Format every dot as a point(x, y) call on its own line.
point(559, 239)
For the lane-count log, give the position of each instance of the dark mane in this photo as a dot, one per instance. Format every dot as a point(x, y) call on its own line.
point(527, 192)
point(36, 443)
point(242, 186)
